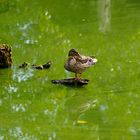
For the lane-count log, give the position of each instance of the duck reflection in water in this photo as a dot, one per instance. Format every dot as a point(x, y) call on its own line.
point(78, 63)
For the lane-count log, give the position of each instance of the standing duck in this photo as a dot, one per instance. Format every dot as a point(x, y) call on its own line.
point(78, 63)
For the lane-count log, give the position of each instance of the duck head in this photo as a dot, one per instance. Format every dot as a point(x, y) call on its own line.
point(91, 60)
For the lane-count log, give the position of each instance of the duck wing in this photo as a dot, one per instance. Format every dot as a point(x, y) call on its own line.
point(81, 59)
point(73, 53)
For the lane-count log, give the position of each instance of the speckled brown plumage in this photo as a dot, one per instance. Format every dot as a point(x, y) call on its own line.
point(78, 63)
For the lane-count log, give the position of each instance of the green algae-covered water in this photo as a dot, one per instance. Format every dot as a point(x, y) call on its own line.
point(108, 108)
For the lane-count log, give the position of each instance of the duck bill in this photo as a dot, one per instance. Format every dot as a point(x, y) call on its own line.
point(94, 61)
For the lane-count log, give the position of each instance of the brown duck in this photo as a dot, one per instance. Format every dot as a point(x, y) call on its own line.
point(78, 63)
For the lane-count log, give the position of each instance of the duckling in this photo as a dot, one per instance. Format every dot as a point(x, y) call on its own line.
point(78, 63)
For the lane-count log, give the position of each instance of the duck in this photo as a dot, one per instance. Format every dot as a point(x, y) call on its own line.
point(78, 63)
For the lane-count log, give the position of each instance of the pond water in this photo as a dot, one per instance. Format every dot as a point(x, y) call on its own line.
point(108, 108)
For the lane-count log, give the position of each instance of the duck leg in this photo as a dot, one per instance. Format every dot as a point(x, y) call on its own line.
point(78, 76)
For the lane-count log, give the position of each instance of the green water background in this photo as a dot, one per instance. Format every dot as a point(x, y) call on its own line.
point(108, 108)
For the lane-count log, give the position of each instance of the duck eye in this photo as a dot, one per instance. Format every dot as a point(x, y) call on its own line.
point(90, 60)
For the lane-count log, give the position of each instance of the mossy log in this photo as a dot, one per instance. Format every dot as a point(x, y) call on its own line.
point(71, 82)
point(5, 56)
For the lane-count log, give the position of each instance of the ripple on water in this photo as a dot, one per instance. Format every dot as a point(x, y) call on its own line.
point(11, 89)
point(17, 133)
point(21, 75)
point(31, 41)
point(19, 107)
point(0, 102)
point(103, 107)
point(25, 26)
point(1, 137)
point(52, 136)
point(47, 14)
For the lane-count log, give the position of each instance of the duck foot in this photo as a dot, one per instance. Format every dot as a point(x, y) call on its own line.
point(71, 82)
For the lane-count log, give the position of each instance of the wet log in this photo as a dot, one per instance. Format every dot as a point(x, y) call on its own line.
point(5, 56)
point(44, 66)
point(71, 82)
point(34, 66)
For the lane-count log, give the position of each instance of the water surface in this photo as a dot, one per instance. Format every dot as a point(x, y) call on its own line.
point(31, 107)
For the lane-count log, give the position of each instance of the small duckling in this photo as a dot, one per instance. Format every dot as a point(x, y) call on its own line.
point(78, 63)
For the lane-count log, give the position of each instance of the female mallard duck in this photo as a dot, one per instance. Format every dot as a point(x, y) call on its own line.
point(78, 63)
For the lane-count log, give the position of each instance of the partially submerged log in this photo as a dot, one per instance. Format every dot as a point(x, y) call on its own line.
point(5, 56)
point(44, 66)
point(34, 66)
point(71, 82)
